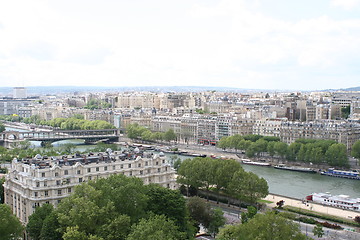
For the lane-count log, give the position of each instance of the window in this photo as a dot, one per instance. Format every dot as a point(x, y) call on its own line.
point(157, 163)
point(80, 179)
point(58, 182)
point(105, 168)
point(121, 166)
point(78, 172)
point(163, 160)
point(113, 167)
point(45, 183)
point(89, 178)
point(35, 194)
point(139, 165)
point(159, 169)
point(66, 172)
point(129, 165)
point(43, 174)
point(89, 170)
point(46, 193)
point(56, 174)
point(97, 169)
point(37, 184)
point(141, 172)
point(59, 191)
point(146, 163)
point(130, 174)
point(69, 190)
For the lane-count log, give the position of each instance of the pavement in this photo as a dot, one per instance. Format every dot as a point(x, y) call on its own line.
point(311, 206)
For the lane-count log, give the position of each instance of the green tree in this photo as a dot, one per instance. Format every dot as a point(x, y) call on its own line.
point(2, 181)
point(36, 220)
point(2, 127)
point(281, 149)
point(318, 231)
point(345, 112)
point(199, 210)
point(49, 230)
point(169, 135)
point(10, 226)
point(336, 155)
point(156, 227)
point(217, 220)
point(355, 150)
point(164, 201)
point(246, 216)
point(223, 143)
point(268, 226)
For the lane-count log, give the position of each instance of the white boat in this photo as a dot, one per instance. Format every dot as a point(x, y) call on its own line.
point(340, 201)
point(249, 162)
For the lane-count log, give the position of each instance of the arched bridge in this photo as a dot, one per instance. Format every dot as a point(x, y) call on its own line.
point(58, 135)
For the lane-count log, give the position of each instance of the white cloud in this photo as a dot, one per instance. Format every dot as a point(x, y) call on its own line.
point(213, 43)
point(345, 4)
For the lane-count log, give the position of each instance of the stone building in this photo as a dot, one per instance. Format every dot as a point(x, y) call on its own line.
point(35, 181)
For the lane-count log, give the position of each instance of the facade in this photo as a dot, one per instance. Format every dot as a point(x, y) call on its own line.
point(33, 182)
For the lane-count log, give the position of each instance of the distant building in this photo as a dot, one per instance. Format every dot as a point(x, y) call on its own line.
point(19, 92)
point(32, 182)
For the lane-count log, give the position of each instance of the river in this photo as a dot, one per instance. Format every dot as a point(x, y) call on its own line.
point(287, 183)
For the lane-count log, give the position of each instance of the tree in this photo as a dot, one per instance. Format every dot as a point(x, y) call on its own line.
point(156, 227)
point(2, 127)
point(318, 231)
point(336, 155)
point(2, 181)
point(170, 135)
point(355, 151)
point(36, 220)
point(49, 230)
point(268, 226)
point(246, 216)
point(10, 226)
point(357, 219)
point(217, 220)
point(199, 211)
point(167, 202)
point(281, 149)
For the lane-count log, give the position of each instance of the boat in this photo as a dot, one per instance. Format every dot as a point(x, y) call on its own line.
point(342, 173)
point(249, 162)
point(340, 201)
point(294, 168)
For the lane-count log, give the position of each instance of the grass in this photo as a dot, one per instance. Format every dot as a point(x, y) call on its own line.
point(321, 216)
point(264, 201)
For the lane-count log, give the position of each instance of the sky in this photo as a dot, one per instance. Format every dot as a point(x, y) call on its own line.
point(254, 44)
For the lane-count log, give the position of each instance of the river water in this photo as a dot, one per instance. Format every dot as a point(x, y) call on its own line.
point(288, 183)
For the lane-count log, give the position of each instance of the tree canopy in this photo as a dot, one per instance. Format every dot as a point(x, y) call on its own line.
point(113, 208)
point(268, 226)
point(10, 226)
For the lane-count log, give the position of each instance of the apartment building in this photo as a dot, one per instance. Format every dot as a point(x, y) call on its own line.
point(34, 181)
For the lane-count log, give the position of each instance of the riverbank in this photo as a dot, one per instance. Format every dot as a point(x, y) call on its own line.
point(315, 207)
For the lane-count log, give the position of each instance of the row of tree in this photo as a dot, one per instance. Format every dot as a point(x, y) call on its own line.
point(97, 104)
point(222, 177)
point(135, 131)
point(120, 207)
point(302, 150)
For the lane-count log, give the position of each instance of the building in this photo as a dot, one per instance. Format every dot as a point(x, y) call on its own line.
point(19, 92)
point(35, 181)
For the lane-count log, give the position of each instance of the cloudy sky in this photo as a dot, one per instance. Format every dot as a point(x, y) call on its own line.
point(264, 44)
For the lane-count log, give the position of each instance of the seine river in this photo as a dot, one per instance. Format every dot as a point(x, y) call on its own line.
point(288, 183)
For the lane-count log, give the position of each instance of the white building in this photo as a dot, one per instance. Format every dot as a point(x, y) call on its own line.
point(35, 181)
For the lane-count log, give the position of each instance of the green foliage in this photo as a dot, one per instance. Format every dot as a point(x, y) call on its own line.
point(156, 227)
point(251, 212)
point(36, 220)
point(268, 226)
point(77, 123)
point(2, 127)
point(135, 131)
point(2, 181)
point(169, 135)
point(167, 202)
point(199, 211)
point(336, 155)
point(217, 220)
point(355, 150)
point(10, 226)
point(97, 104)
point(345, 112)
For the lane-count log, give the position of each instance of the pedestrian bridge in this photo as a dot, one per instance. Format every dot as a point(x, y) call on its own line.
point(58, 135)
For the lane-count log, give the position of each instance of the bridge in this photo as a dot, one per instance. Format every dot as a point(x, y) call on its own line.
point(89, 136)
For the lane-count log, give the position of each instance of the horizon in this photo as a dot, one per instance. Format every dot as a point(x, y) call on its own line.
point(269, 45)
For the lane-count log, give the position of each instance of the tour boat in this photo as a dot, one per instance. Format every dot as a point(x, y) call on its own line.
point(340, 201)
point(249, 162)
point(341, 173)
point(295, 168)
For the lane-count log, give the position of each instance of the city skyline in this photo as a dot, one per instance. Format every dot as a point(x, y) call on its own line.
point(238, 44)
